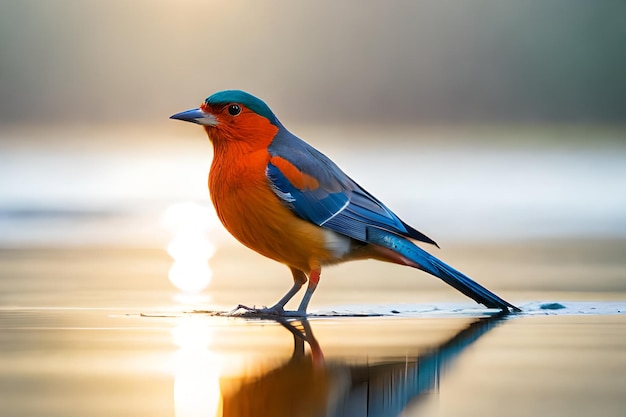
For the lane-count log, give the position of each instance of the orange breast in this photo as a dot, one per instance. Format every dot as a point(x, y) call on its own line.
point(256, 217)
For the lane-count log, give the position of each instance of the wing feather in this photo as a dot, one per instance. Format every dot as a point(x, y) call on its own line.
point(336, 201)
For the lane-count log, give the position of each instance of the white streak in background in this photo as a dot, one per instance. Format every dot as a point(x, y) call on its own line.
point(491, 193)
point(190, 247)
point(197, 370)
point(450, 191)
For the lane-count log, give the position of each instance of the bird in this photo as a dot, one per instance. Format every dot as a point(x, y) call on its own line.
point(284, 199)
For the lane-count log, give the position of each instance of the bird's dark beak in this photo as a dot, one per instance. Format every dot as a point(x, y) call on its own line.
point(197, 116)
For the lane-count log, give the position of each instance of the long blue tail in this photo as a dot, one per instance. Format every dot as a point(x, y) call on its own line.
point(428, 263)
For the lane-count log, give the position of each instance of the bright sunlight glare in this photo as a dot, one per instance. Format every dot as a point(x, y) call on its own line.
point(190, 246)
point(197, 370)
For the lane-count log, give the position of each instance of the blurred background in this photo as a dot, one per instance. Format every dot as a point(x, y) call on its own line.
point(496, 128)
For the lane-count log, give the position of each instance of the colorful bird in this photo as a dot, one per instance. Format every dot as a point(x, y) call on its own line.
point(283, 198)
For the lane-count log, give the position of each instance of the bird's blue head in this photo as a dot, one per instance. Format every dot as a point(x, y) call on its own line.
point(229, 102)
point(253, 103)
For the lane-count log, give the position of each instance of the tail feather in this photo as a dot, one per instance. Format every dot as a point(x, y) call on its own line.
point(421, 259)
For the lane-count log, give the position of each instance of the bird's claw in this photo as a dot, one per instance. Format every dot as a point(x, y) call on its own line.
point(294, 313)
point(269, 312)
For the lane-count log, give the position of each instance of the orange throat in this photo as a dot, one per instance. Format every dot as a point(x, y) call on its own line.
point(250, 210)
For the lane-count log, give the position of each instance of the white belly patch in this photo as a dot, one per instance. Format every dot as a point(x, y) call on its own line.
point(337, 244)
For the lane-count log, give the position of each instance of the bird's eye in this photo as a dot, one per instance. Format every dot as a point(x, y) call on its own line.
point(234, 109)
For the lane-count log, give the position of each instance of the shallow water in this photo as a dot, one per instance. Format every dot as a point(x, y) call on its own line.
point(102, 332)
point(65, 362)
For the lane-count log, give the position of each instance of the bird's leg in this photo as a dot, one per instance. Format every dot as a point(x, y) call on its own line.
point(299, 278)
point(278, 309)
point(314, 278)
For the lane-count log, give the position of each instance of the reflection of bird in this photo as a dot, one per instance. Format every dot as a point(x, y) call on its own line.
point(304, 386)
point(309, 386)
point(281, 197)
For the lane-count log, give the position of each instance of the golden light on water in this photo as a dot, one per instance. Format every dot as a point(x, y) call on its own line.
point(190, 246)
point(197, 370)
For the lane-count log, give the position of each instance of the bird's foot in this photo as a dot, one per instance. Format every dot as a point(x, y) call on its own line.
point(294, 313)
point(265, 312)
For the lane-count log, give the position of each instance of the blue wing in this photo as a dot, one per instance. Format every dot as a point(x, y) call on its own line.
point(329, 198)
point(337, 203)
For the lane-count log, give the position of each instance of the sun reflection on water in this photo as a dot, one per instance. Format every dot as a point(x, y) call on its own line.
point(197, 370)
point(190, 247)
